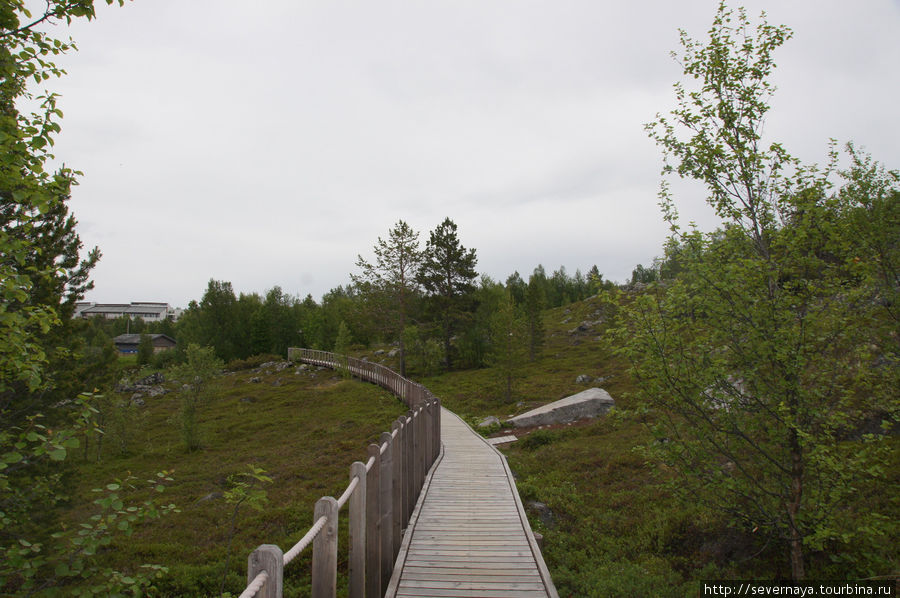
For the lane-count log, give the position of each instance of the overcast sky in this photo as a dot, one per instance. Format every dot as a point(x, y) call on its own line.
point(270, 143)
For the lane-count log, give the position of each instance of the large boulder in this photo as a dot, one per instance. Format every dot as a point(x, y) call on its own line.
point(488, 421)
point(587, 403)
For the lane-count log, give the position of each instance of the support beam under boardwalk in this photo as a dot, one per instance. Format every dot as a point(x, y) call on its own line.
point(468, 535)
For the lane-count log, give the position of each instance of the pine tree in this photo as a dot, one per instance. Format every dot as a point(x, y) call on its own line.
point(389, 285)
point(448, 277)
point(535, 303)
point(508, 341)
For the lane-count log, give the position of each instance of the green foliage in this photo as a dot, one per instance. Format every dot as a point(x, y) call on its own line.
point(197, 374)
point(642, 275)
point(243, 423)
point(389, 285)
point(114, 517)
point(537, 439)
point(34, 560)
point(145, 350)
point(508, 344)
point(244, 488)
point(169, 358)
point(473, 342)
point(447, 274)
point(255, 361)
point(342, 347)
point(772, 344)
point(42, 359)
point(343, 340)
point(424, 355)
point(114, 419)
point(535, 300)
point(41, 275)
point(557, 290)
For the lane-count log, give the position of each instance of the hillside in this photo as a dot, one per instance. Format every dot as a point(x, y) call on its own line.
point(611, 522)
point(304, 427)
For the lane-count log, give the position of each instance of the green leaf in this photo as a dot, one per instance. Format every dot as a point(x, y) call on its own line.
point(12, 457)
point(58, 454)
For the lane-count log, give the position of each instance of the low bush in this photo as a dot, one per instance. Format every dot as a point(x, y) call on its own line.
point(254, 361)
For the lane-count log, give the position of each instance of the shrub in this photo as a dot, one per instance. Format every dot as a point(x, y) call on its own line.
point(254, 361)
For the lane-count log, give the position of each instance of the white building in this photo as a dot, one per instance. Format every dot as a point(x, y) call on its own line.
point(147, 311)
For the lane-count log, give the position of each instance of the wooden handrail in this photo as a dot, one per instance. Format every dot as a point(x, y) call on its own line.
point(381, 494)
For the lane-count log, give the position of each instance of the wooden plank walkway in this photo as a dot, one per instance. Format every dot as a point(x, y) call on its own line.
point(468, 535)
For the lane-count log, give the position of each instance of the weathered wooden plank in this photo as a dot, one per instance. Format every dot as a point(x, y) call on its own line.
point(473, 585)
point(417, 572)
point(468, 535)
point(459, 593)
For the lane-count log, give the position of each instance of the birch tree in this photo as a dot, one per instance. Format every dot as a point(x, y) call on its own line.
point(777, 338)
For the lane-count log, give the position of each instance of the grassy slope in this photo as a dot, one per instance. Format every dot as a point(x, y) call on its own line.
point(305, 432)
point(613, 527)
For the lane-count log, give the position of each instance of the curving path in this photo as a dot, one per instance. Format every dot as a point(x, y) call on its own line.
point(468, 535)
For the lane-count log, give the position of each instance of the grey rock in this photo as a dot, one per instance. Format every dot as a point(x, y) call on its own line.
point(488, 422)
point(583, 379)
point(255, 379)
point(394, 353)
point(544, 513)
point(587, 403)
point(210, 496)
point(152, 379)
point(138, 400)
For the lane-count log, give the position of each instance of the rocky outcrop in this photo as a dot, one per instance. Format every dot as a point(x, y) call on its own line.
point(588, 403)
point(488, 422)
point(151, 386)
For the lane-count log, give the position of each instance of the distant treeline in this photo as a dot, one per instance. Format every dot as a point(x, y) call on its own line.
point(430, 302)
point(241, 325)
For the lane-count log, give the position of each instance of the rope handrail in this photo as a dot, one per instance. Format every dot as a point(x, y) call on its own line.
point(381, 493)
point(305, 540)
point(254, 586)
point(346, 495)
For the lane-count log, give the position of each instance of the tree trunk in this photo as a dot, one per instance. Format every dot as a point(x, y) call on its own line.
point(798, 571)
point(447, 334)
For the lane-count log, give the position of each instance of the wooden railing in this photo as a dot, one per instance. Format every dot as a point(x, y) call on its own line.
point(382, 494)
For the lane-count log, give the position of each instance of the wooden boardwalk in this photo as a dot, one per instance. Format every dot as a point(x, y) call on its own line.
point(468, 535)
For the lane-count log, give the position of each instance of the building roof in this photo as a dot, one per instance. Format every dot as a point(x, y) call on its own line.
point(134, 339)
point(140, 309)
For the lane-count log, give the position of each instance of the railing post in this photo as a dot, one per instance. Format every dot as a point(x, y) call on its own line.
point(429, 437)
point(437, 429)
point(373, 531)
point(268, 558)
point(397, 489)
point(357, 528)
point(408, 464)
point(386, 508)
point(420, 447)
point(324, 563)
